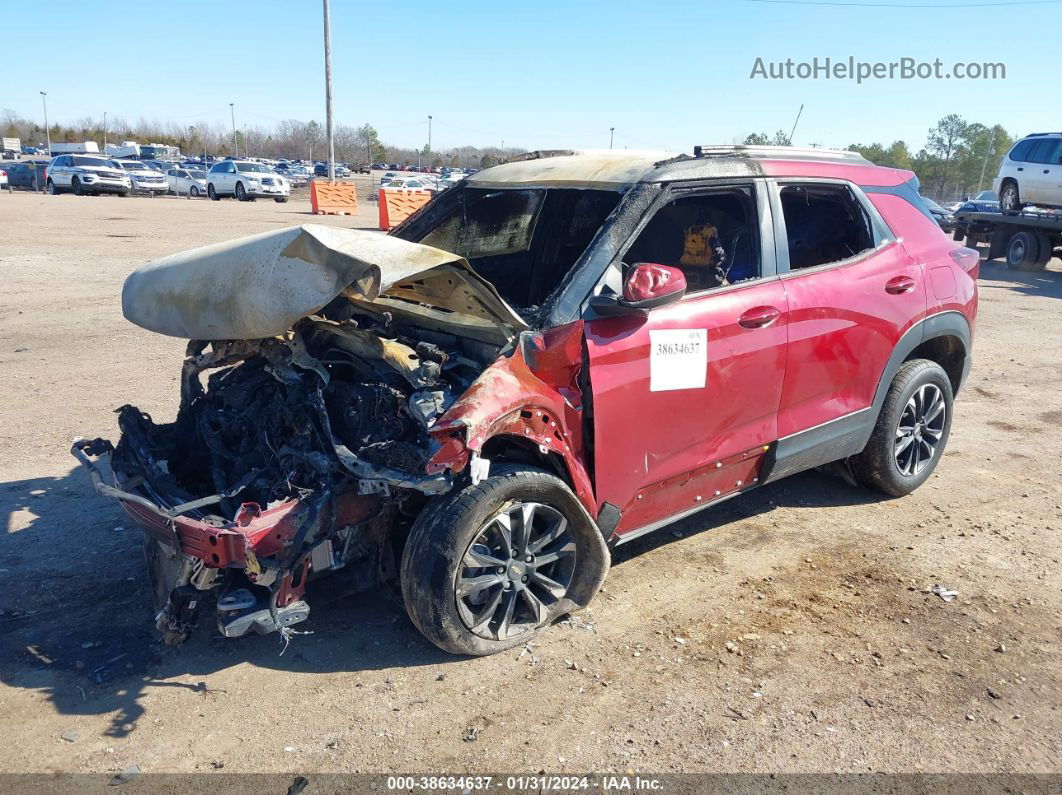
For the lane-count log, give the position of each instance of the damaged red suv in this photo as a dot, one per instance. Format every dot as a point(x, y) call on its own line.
point(554, 357)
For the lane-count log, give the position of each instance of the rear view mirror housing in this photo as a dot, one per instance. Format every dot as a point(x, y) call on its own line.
point(647, 286)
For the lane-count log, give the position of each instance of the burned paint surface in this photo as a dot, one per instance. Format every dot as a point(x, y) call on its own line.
point(260, 286)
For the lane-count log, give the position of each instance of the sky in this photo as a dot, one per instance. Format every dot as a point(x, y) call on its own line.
point(542, 75)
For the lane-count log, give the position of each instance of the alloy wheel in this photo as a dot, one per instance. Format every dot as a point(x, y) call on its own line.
point(519, 564)
point(920, 429)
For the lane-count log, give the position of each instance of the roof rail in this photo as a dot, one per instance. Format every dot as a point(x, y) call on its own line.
point(780, 152)
point(1030, 135)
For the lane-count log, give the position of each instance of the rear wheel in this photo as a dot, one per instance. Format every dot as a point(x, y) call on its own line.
point(1045, 252)
point(1023, 252)
point(213, 194)
point(280, 199)
point(52, 188)
point(911, 432)
point(486, 567)
point(1009, 201)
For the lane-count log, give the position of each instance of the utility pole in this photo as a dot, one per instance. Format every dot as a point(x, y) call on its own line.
point(429, 141)
point(235, 147)
point(47, 133)
point(611, 135)
point(795, 121)
point(104, 132)
point(984, 163)
point(328, 93)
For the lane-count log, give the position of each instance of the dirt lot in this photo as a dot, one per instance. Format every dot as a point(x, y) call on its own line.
point(790, 630)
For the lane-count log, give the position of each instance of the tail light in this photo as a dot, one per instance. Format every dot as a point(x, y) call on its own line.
point(966, 258)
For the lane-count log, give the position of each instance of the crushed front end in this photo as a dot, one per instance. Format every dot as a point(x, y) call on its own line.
point(303, 449)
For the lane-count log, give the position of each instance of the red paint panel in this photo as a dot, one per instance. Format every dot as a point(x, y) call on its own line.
point(866, 174)
point(843, 326)
point(645, 439)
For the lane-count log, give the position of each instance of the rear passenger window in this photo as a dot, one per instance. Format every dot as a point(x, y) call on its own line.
point(1042, 151)
point(824, 224)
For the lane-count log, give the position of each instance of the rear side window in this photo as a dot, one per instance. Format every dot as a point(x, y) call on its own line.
point(824, 224)
point(1020, 152)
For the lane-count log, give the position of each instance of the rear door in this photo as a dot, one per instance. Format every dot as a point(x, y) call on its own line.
point(685, 398)
point(1043, 180)
point(852, 291)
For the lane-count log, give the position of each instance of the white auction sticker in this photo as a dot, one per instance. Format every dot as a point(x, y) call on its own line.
point(678, 359)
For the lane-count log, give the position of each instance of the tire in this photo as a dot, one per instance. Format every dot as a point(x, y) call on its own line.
point(459, 527)
point(75, 186)
point(1045, 252)
point(958, 235)
point(213, 194)
point(241, 193)
point(194, 191)
point(123, 193)
point(53, 189)
point(1009, 200)
point(918, 388)
point(1023, 252)
point(280, 199)
point(33, 184)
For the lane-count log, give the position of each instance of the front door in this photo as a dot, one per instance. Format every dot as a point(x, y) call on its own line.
point(685, 398)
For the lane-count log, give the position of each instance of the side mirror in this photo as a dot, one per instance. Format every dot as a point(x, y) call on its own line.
point(646, 287)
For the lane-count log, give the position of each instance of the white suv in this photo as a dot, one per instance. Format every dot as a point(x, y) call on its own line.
point(246, 181)
point(144, 178)
point(1031, 173)
point(83, 174)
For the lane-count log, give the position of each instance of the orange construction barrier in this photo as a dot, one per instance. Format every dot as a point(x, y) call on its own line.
point(333, 198)
point(396, 205)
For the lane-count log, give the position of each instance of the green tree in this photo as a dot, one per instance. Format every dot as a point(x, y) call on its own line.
point(943, 143)
point(369, 142)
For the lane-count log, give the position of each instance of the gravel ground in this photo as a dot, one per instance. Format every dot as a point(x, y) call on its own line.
point(790, 630)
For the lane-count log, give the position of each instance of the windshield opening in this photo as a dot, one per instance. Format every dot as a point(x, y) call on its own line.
point(94, 162)
point(523, 241)
point(255, 168)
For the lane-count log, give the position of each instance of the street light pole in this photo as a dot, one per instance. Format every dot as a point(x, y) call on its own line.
point(235, 146)
point(984, 163)
point(328, 93)
point(104, 132)
point(47, 133)
point(429, 142)
point(611, 134)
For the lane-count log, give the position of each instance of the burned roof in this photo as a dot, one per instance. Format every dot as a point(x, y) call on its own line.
point(574, 169)
point(619, 169)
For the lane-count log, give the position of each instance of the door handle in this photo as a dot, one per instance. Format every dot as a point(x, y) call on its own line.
point(1047, 171)
point(759, 316)
point(899, 285)
point(1021, 168)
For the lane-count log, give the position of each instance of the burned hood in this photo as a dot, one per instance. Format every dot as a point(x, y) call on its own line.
point(259, 286)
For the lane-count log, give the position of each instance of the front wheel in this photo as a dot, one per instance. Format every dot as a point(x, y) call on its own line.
point(194, 191)
point(487, 566)
point(213, 194)
point(280, 199)
point(241, 193)
point(911, 432)
point(75, 185)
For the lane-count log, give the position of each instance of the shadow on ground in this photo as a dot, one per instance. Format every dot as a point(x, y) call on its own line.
point(1046, 283)
point(76, 617)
